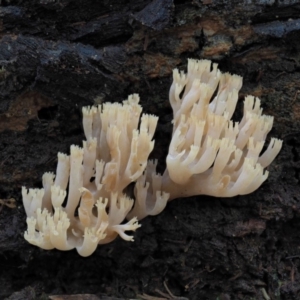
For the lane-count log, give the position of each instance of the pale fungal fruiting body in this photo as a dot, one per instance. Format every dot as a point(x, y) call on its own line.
point(209, 154)
point(114, 155)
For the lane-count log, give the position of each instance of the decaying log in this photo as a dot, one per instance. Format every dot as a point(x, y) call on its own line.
point(57, 56)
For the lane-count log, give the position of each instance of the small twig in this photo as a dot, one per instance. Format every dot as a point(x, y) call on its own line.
point(295, 97)
point(239, 274)
point(293, 274)
point(173, 297)
point(282, 73)
point(294, 256)
point(265, 294)
point(192, 284)
point(11, 203)
point(162, 294)
point(148, 297)
point(186, 249)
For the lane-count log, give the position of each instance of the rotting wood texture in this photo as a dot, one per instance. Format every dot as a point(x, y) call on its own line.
point(57, 56)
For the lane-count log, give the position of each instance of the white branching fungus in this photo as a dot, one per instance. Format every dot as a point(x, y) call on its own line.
point(210, 154)
point(85, 204)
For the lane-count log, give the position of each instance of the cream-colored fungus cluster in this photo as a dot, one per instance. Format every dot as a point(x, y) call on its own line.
point(85, 204)
point(209, 153)
point(92, 179)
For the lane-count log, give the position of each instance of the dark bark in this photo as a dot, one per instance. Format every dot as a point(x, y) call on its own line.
point(57, 56)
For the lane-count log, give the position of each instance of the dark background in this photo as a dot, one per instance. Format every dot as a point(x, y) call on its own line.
point(57, 56)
